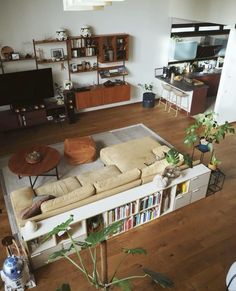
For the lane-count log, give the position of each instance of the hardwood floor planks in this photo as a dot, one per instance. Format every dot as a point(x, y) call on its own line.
point(194, 245)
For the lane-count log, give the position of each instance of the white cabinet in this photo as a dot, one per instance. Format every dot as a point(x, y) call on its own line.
point(199, 181)
point(182, 200)
point(191, 190)
point(199, 193)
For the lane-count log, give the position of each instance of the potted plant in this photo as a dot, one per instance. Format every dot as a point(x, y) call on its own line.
point(205, 131)
point(148, 95)
point(214, 162)
point(98, 277)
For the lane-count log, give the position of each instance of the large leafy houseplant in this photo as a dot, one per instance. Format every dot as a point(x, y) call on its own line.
point(206, 131)
point(100, 279)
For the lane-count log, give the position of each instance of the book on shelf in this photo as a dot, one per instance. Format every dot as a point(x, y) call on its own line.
point(122, 212)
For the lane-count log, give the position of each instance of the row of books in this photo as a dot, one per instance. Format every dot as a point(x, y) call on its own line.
point(150, 201)
point(139, 219)
point(122, 212)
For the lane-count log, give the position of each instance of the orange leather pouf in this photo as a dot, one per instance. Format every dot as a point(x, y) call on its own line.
point(79, 150)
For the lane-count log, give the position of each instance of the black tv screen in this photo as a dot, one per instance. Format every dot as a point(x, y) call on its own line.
point(26, 87)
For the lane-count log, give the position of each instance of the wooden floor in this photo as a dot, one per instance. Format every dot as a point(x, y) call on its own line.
point(194, 245)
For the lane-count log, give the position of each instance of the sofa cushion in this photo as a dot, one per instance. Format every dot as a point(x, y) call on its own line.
point(59, 188)
point(157, 168)
point(160, 152)
point(117, 181)
point(70, 198)
point(129, 155)
point(97, 175)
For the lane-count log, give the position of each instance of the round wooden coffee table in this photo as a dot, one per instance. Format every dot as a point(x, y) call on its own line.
point(49, 160)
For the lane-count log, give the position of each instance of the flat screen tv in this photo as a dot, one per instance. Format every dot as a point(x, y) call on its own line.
point(26, 87)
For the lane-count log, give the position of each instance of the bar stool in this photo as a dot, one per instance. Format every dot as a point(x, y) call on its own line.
point(177, 99)
point(165, 95)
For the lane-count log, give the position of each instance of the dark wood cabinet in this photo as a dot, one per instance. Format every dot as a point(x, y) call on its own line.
point(116, 94)
point(212, 80)
point(113, 48)
point(34, 117)
point(101, 95)
point(9, 120)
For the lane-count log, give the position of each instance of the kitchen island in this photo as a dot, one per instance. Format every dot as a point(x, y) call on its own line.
point(197, 92)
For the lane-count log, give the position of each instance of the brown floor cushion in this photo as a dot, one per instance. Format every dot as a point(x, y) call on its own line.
point(79, 150)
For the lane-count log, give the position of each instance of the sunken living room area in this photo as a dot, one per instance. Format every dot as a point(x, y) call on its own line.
point(117, 148)
point(185, 244)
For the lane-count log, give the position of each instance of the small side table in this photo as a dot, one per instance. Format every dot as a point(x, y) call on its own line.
point(216, 182)
point(202, 152)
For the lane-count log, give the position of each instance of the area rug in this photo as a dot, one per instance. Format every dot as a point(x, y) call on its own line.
point(10, 181)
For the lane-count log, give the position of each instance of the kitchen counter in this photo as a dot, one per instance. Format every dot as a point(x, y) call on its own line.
point(183, 85)
point(197, 94)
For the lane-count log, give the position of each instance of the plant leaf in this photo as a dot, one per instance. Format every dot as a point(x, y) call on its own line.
point(99, 236)
point(61, 227)
point(64, 287)
point(172, 156)
point(125, 285)
point(58, 254)
point(159, 278)
point(135, 251)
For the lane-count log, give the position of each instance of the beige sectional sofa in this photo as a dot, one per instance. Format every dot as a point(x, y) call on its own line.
point(126, 165)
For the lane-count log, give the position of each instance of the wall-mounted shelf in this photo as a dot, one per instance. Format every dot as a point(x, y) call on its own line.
point(49, 61)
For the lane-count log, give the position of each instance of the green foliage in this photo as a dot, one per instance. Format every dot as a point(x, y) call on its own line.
point(206, 126)
point(188, 160)
point(172, 157)
point(214, 161)
point(90, 244)
point(146, 87)
point(159, 278)
point(96, 237)
point(63, 227)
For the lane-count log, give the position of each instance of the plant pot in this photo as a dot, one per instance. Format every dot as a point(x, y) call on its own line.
point(203, 148)
point(212, 167)
point(149, 99)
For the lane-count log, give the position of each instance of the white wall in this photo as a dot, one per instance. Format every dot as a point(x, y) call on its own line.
point(146, 21)
point(225, 103)
point(216, 11)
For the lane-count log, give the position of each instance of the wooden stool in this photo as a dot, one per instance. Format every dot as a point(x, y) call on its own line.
point(176, 100)
point(80, 150)
point(165, 95)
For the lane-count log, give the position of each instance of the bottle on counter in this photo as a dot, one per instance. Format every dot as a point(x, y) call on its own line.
point(172, 78)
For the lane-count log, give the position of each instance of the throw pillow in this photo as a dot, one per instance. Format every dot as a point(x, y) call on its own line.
point(35, 208)
point(160, 152)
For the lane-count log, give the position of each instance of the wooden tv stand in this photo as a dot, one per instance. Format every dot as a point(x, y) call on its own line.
point(23, 116)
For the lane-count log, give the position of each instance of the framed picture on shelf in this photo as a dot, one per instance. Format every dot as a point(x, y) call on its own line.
point(57, 54)
point(15, 56)
point(104, 73)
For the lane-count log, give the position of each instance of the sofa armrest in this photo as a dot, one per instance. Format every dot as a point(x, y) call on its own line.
point(21, 199)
